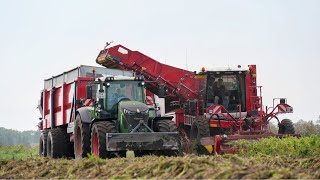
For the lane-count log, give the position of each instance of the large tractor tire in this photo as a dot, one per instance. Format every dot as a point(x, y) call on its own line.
point(166, 126)
point(58, 143)
point(199, 129)
point(43, 143)
point(98, 138)
point(81, 138)
point(286, 127)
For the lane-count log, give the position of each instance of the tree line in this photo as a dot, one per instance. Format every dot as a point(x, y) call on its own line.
point(12, 137)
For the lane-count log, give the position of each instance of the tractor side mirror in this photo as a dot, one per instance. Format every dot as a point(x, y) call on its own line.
point(89, 92)
point(160, 91)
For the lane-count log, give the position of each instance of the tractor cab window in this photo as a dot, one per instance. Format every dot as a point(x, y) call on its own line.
point(227, 90)
point(123, 90)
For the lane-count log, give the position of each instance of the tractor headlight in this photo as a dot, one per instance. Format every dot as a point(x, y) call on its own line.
point(126, 111)
point(145, 112)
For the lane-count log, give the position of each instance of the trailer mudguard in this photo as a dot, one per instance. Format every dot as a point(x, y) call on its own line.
point(85, 114)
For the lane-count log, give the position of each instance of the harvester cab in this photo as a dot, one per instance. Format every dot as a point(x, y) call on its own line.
point(223, 88)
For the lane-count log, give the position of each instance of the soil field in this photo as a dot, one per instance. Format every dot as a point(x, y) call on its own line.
point(270, 158)
point(186, 167)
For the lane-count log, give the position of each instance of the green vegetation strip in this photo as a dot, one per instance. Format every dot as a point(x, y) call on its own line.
point(308, 146)
point(17, 152)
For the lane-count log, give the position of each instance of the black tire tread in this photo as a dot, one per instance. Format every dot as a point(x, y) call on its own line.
point(102, 127)
point(60, 144)
point(85, 135)
point(286, 127)
point(166, 125)
point(203, 128)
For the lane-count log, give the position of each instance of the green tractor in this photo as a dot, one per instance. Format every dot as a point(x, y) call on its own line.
point(120, 120)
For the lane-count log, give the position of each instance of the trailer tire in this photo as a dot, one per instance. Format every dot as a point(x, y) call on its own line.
point(167, 125)
point(286, 127)
point(98, 138)
point(199, 129)
point(57, 144)
point(81, 138)
point(43, 143)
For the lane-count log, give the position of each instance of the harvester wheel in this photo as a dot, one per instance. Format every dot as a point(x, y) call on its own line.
point(81, 138)
point(166, 125)
point(98, 138)
point(286, 127)
point(43, 143)
point(199, 129)
point(57, 144)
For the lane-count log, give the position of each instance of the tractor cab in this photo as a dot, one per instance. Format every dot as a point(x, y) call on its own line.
point(111, 91)
point(224, 87)
point(119, 91)
point(121, 98)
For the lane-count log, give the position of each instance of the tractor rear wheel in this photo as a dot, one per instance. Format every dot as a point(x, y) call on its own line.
point(199, 129)
point(166, 125)
point(98, 138)
point(286, 127)
point(58, 143)
point(43, 143)
point(81, 138)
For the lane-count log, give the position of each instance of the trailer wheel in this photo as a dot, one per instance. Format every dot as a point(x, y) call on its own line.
point(166, 126)
point(57, 144)
point(98, 138)
point(43, 143)
point(286, 127)
point(81, 138)
point(199, 129)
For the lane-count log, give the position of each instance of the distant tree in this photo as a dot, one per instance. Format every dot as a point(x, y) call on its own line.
point(307, 127)
point(11, 137)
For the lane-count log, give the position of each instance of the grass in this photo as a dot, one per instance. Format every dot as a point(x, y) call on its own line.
point(17, 152)
point(308, 146)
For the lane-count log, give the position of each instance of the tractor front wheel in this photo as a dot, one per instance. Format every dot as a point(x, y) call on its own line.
point(98, 138)
point(166, 126)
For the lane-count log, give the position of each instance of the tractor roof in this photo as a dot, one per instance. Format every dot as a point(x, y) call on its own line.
point(118, 77)
point(227, 68)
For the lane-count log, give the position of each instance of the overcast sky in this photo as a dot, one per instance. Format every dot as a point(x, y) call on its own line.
point(39, 39)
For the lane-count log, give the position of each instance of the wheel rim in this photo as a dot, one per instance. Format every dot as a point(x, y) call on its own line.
point(78, 142)
point(95, 147)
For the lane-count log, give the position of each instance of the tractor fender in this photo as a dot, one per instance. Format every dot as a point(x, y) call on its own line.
point(84, 113)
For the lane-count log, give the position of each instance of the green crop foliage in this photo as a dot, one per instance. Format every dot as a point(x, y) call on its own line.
point(289, 146)
point(17, 152)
